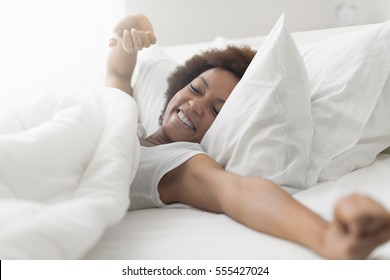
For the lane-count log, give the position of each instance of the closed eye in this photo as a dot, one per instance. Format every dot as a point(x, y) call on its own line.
point(195, 90)
point(217, 108)
point(214, 111)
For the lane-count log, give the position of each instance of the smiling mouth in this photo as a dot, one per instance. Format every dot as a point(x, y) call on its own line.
point(183, 118)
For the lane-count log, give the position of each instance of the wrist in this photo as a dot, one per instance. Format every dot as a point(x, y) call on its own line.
point(315, 239)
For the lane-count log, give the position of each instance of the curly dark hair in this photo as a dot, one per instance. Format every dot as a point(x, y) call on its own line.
point(233, 58)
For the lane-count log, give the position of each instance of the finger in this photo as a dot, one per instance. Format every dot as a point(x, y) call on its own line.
point(370, 242)
point(151, 36)
point(137, 40)
point(127, 41)
point(383, 235)
point(361, 215)
point(352, 212)
point(114, 39)
point(145, 40)
point(348, 224)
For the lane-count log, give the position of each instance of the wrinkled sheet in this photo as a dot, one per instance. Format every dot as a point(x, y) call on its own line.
point(66, 164)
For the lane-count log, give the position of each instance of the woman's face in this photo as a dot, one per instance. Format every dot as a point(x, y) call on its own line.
point(193, 109)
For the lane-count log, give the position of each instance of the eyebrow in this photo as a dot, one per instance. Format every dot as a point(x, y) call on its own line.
point(207, 86)
point(204, 82)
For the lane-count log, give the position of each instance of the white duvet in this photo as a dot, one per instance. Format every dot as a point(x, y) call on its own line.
point(66, 164)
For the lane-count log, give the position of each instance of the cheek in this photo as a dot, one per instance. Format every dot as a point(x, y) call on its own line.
point(207, 122)
point(178, 99)
point(171, 106)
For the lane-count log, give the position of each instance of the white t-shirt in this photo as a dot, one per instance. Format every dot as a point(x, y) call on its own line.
point(155, 162)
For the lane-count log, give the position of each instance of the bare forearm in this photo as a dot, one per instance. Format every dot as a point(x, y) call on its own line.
point(265, 207)
point(359, 226)
point(120, 68)
point(253, 201)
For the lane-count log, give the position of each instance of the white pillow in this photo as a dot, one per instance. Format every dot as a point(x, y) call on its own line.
point(150, 84)
point(347, 74)
point(333, 67)
point(265, 127)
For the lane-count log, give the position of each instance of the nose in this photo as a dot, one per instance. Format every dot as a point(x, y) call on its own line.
point(197, 106)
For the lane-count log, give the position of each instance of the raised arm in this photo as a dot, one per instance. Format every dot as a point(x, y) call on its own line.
point(262, 205)
point(133, 33)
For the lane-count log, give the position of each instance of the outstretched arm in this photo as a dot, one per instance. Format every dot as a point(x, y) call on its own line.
point(134, 32)
point(262, 205)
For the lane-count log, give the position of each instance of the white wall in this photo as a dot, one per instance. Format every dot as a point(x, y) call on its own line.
point(379, 10)
point(187, 21)
point(55, 44)
point(63, 44)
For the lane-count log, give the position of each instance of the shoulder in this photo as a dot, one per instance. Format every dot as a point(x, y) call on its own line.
point(165, 159)
point(200, 182)
point(199, 169)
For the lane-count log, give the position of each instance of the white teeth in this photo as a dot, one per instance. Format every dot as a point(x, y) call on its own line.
point(185, 120)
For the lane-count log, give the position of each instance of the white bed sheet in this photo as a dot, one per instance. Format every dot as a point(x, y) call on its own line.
point(180, 232)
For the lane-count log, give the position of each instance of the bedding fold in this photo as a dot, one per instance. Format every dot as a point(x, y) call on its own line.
point(67, 161)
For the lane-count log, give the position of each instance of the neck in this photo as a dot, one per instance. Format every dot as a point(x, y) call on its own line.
point(157, 138)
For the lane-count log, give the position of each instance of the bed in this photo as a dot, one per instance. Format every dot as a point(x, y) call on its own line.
point(85, 216)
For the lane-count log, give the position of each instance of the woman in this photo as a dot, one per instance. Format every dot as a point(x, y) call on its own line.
point(360, 224)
